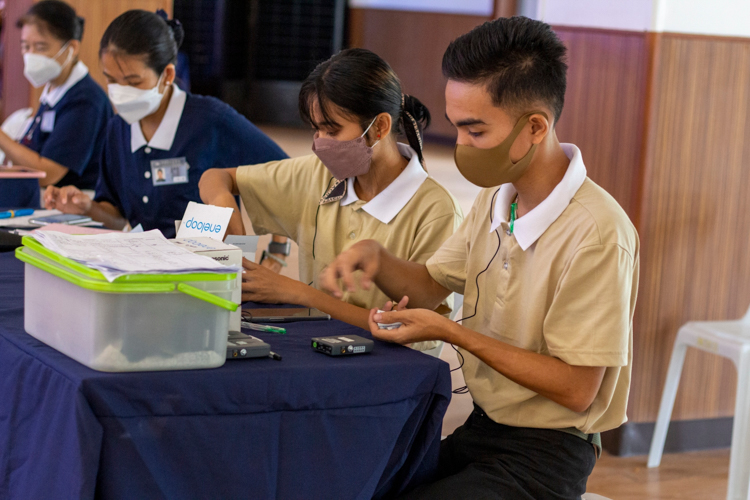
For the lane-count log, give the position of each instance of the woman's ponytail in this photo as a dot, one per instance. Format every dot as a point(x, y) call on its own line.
point(177, 30)
point(415, 117)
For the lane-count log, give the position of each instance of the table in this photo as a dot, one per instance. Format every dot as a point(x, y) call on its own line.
point(309, 426)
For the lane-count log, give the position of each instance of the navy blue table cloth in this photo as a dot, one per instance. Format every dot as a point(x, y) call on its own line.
point(307, 427)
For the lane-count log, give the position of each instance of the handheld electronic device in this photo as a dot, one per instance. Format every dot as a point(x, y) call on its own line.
point(342, 345)
point(287, 315)
point(60, 219)
point(388, 326)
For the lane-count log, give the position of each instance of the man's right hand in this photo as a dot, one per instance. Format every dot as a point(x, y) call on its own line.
point(68, 199)
point(363, 256)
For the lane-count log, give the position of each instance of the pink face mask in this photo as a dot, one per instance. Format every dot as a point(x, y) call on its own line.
point(345, 159)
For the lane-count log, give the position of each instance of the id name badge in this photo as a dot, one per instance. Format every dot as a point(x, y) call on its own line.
point(48, 121)
point(169, 171)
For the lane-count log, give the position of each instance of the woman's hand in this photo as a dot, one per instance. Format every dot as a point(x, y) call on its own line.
point(261, 284)
point(68, 199)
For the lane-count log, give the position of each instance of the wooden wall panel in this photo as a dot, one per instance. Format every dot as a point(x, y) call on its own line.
point(605, 107)
point(98, 14)
point(413, 44)
point(695, 223)
point(505, 8)
point(15, 86)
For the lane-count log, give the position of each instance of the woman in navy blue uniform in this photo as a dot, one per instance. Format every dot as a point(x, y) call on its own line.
point(163, 138)
point(65, 137)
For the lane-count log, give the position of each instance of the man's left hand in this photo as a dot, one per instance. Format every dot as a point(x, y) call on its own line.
point(417, 325)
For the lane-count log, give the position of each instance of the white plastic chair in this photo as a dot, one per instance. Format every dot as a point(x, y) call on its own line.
point(458, 302)
point(730, 339)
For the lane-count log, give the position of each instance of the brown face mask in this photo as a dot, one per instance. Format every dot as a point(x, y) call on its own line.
point(493, 167)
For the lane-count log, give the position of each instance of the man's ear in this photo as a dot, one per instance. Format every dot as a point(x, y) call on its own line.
point(541, 125)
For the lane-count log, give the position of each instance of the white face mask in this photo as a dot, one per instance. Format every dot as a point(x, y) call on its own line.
point(134, 104)
point(39, 69)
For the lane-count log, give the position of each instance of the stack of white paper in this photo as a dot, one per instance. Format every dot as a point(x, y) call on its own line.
point(118, 254)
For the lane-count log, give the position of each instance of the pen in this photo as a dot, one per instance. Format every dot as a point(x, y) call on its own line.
point(275, 356)
point(263, 328)
point(16, 213)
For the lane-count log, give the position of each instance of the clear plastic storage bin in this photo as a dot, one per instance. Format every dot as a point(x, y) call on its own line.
point(135, 323)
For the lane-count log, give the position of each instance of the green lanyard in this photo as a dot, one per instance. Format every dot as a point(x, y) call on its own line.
point(513, 208)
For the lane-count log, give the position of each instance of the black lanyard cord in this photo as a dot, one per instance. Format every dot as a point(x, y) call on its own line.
point(465, 389)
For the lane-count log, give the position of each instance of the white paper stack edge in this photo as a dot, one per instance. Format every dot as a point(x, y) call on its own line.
point(118, 254)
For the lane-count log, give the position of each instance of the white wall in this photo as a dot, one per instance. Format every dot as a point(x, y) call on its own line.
point(628, 15)
point(706, 17)
point(469, 7)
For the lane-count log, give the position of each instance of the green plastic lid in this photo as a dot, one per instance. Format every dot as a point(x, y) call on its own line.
point(35, 254)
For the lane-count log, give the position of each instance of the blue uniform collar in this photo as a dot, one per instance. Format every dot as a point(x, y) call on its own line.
point(164, 136)
point(52, 97)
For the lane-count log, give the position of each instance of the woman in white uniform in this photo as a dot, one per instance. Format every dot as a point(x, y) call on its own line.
point(65, 137)
point(159, 127)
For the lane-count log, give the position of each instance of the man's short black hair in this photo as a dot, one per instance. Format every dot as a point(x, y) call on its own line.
point(522, 62)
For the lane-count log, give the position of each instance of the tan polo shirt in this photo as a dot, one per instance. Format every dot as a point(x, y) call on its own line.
point(564, 284)
point(299, 198)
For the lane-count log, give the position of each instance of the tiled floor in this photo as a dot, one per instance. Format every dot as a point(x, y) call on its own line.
point(685, 476)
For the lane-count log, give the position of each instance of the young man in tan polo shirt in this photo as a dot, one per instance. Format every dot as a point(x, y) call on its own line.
point(548, 264)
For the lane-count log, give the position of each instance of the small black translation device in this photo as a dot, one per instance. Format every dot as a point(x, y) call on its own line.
point(342, 345)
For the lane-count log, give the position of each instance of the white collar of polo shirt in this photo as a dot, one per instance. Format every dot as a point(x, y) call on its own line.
point(52, 97)
point(389, 202)
point(532, 226)
point(164, 136)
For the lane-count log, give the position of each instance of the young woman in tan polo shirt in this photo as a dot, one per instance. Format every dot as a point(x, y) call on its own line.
point(359, 184)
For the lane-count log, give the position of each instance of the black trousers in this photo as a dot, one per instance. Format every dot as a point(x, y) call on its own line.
point(486, 460)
